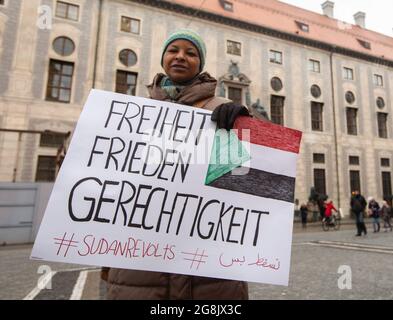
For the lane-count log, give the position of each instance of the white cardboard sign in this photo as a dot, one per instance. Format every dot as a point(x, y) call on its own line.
point(131, 197)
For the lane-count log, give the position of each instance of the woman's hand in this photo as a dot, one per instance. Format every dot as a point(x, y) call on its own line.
point(226, 114)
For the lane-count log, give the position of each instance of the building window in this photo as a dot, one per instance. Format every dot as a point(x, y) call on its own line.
point(67, 11)
point(320, 181)
point(318, 158)
point(303, 26)
point(380, 103)
point(59, 81)
point(234, 47)
point(52, 139)
point(317, 116)
point(385, 162)
point(354, 179)
point(315, 91)
point(314, 66)
point(382, 125)
point(354, 160)
point(352, 126)
point(386, 184)
point(276, 84)
point(126, 82)
point(128, 57)
point(46, 169)
point(130, 25)
point(226, 5)
point(275, 56)
point(63, 46)
point(235, 94)
point(348, 74)
point(378, 80)
point(277, 110)
point(349, 97)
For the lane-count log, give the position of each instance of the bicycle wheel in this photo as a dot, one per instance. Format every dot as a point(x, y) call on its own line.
point(325, 226)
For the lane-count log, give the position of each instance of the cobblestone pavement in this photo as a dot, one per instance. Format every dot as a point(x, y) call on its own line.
point(316, 259)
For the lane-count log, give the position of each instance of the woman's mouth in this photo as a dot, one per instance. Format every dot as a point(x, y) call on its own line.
point(179, 67)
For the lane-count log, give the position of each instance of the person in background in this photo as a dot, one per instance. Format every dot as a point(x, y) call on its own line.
point(386, 216)
point(303, 214)
point(373, 208)
point(184, 82)
point(358, 205)
point(321, 206)
point(313, 210)
point(329, 208)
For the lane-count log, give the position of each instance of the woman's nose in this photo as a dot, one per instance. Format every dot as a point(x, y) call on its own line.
point(180, 55)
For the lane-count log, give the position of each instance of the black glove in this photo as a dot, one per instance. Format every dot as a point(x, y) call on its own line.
point(226, 114)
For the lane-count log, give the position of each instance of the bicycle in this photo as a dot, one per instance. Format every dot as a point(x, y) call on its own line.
point(332, 222)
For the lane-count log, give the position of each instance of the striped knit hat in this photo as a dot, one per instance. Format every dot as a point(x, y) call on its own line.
point(191, 36)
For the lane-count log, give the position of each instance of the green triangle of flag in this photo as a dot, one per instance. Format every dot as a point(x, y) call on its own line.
point(228, 153)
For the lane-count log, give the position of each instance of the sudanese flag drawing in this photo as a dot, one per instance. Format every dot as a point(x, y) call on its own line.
point(266, 154)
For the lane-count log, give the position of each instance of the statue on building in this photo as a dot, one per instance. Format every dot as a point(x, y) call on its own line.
point(318, 201)
point(258, 110)
point(222, 92)
point(235, 79)
point(234, 69)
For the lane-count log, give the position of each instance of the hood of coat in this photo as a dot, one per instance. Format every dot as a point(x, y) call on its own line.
point(201, 88)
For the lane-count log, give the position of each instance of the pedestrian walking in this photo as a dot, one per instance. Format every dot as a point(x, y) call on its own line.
point(373, 208)
point(358, 205)
point(304, 214)
point(386, 216)
point(321, 206)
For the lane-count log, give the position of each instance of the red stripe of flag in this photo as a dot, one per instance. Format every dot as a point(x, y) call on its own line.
point(268, 134)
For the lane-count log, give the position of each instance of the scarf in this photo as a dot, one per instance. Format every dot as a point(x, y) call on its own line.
point(171, 89)
point(203, 86)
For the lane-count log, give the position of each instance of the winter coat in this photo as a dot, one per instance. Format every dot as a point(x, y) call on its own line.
point(140, 285)
point(358, 204)
point(329, 208)
point(374, 208)
point(386, 212)
point(303, 213)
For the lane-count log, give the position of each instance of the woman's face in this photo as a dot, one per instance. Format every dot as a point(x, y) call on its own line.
point(181, 61)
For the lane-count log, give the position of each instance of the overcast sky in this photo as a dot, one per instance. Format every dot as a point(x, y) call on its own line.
point(378, 12)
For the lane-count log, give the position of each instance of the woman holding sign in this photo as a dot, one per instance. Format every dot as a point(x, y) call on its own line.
point(183, 60)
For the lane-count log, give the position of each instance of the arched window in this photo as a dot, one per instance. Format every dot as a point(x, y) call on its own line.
point(128, 57)
point(63, 46)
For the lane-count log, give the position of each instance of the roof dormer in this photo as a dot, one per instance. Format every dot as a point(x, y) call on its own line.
point(303, 26)
point(364, 44)
point(226, 5)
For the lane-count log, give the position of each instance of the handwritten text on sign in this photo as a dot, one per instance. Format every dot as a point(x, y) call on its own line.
point(131, 194)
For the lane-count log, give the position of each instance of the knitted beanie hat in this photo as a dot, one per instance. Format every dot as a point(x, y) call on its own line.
point(191, 36)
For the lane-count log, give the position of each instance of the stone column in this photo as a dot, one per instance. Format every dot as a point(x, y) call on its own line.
point(21, 75)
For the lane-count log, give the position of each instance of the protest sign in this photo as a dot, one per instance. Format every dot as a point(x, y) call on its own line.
point(141, 188)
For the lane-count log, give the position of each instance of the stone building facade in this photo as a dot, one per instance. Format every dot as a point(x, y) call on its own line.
point(54, 52)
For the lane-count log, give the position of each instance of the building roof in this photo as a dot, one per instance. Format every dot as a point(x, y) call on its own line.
point(287, 18)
